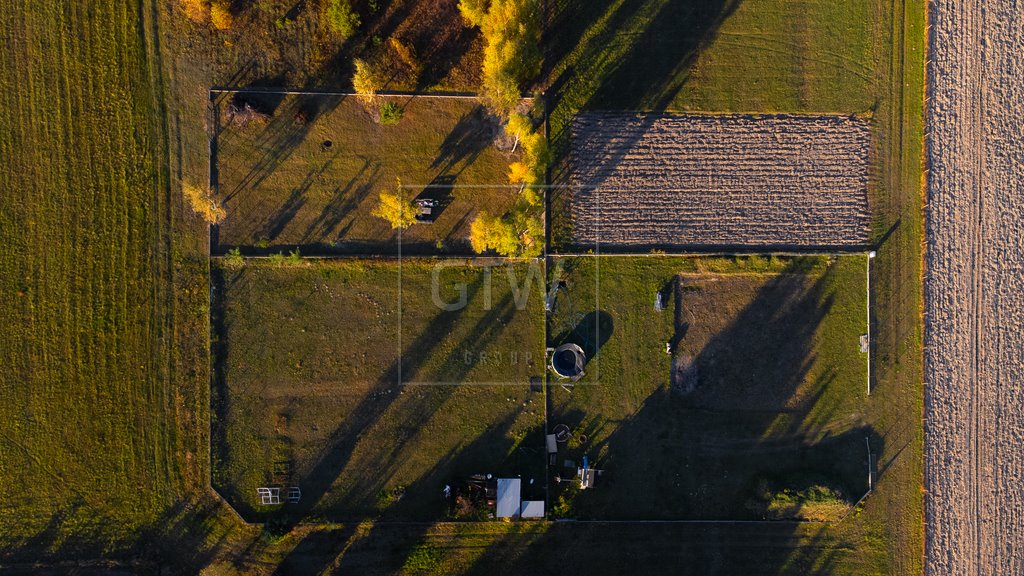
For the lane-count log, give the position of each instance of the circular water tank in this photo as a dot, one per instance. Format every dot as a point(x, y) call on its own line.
point(567, 361)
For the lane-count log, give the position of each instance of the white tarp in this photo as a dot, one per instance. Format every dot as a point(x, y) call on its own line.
point(508, 497)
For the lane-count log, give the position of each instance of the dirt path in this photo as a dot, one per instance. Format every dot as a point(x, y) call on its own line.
point(974, 325)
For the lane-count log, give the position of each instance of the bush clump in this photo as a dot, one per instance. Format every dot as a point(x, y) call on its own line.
point(195, 10)
point(202, 203)
point(368, 79)
point(390, 113)
point(815, 502)
point(341, 19)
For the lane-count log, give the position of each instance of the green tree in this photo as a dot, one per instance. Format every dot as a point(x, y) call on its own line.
point(234, 259)
point(341, 18)
point(390, 113)
point(395, 207)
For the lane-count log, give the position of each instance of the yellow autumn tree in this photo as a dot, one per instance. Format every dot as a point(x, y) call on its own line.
point(202, 204)
point(220, 14)
point(395, 207)
point(473, 11)
point(518, 172)
point(367, 79)
point(512, 53)
point(536, 154)
point(517, 234)
point(195, 10)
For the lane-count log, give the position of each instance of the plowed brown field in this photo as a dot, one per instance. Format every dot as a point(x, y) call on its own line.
point(974, 340)
point(701, 180)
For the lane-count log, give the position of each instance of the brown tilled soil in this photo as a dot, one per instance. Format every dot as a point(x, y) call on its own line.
point(696, 180)
point(974, 329)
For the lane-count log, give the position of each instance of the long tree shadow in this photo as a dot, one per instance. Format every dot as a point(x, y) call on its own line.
point(765, 412)
point(628, 56)
point(418, 405)
point(343, 204)
point(698, 549)
point(471, 135)
point(339, 447)
point(286, 127)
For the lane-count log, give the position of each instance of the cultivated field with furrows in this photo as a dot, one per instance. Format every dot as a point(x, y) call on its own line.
point(699, 180)
point(974, 348)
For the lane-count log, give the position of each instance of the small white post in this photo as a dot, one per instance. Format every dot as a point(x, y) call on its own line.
point(870, 482)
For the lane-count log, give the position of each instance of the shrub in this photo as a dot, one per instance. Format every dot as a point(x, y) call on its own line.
point(367, 79)
point(294, 258)
point(234, 259)
point(407, 54)
point(423, 559)
point(396, 208)
point(341, 18)
point(202, 204)
point(276, 259)
point(390, 113)
point(220, 14)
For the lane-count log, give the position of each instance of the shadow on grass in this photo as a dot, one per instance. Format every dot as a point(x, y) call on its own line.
point(633, 55)
point(628, 55)
point(759, 412)
point(287, 124)
point(420, 360)
point(472, 134)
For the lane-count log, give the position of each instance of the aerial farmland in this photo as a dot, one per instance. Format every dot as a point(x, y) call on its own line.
point(508, 287)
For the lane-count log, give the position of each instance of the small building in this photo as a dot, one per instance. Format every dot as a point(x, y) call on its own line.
point(587, 478)
point(509, 501)
point(532, 509)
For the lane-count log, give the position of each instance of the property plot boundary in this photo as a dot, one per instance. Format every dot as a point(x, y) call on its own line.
point(550, 251)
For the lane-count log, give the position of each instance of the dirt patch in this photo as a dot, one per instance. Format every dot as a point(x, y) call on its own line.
point(699, 180)
point(974, 400)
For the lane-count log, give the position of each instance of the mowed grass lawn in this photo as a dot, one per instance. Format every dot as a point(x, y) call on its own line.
point(713, 56)
point(370, 385)
point(88, 445)
point(770, 384)
point(314, 184)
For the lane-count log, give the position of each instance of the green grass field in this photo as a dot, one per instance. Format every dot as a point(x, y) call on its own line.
point(89, 451)
point(746, 404)
point(719, 56)
point(360, 381)
point(282, 184)
point(96, 443)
